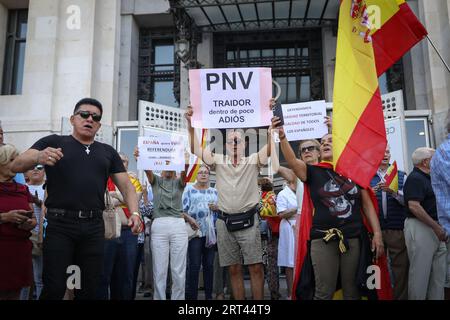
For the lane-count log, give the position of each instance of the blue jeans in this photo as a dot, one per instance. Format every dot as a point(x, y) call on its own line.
point(118, 267)
point(199, 254)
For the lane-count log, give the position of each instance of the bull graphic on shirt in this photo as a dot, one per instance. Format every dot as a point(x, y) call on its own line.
point(339, 195)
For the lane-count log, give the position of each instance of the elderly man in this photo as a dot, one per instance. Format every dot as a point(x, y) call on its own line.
point(392, 219)
point(440, 168)
point(77, 169)
point(425, 238)
point(237, 186)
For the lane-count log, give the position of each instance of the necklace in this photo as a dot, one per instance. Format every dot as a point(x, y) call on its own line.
point(87, 148)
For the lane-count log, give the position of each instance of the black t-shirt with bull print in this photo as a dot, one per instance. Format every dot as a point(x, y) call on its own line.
point(337, 203)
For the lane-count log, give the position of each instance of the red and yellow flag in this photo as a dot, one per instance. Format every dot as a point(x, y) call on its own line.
point(400, 30)
point(359, 136)
point(193, 170)
point(391, 177)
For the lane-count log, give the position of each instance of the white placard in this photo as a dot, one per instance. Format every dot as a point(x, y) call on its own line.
point(394, 138)
point(230, 98)
point(305, 120)
point(161, 150)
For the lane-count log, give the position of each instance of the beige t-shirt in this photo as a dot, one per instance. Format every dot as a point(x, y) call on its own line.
point(237, 186)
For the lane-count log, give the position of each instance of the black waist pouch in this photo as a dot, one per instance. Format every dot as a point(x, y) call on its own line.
point(238, 221)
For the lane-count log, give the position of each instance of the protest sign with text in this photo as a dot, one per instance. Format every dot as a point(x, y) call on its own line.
point(305, 120)
point(230, 98)
point(161, 150)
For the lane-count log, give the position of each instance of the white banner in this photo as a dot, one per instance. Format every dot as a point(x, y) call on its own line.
point(161, 150)
point(395, 141)
point(305, 120)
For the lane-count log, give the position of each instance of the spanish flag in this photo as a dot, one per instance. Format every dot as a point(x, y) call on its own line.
point(391, 177)
point(363, 52)
point(400, 31)
point(193, 170)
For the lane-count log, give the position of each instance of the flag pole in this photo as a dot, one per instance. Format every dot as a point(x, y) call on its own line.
point(439, 54)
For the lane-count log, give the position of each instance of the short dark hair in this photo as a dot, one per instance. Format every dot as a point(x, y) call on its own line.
point(90, 101)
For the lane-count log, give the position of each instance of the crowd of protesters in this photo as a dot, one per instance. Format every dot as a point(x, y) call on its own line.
point(51, 218)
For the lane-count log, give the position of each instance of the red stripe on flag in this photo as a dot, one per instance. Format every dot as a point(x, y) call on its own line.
point(366, 144)
point(396, 37)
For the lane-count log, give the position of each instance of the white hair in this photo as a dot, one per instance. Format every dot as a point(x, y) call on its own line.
point(7, 152)
point(421, 154)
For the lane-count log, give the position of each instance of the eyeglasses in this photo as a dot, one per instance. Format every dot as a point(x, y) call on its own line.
point(203, 172)
point(86, 114)
point(39, 167)
point(236, 141)
point(310, 149)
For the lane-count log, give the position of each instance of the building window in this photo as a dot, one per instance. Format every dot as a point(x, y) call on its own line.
point(157, 68)
point(295, 59)
point(15, 52)
point(393, 79)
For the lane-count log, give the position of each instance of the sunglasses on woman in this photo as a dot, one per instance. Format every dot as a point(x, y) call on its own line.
point(310, 149)
point(39, 167)
point(86, 114)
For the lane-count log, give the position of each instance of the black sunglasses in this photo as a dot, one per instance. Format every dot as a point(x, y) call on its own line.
point(86, 114)
point(310, 149)
point(39, 167)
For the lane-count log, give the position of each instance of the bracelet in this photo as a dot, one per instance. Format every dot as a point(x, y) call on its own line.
point(136, 214)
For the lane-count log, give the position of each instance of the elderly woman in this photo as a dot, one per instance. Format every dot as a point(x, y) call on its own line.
point(16, 221)
point(335, 230)
point(199, 202)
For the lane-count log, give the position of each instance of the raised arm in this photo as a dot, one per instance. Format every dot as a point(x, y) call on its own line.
point(297, 165)
point(196, 147)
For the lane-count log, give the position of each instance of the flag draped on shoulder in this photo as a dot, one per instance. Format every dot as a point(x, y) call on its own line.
point(304, 280)
point(193, 170)
point(363, 52)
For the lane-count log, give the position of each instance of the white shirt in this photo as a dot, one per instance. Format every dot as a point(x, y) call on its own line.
point(286, 200)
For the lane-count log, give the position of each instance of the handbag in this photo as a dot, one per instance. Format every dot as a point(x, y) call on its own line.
point(111, 218)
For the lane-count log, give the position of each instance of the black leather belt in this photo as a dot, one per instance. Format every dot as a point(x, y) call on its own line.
point(79, 214)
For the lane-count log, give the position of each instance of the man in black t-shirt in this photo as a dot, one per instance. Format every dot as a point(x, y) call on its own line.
point(77, 169)
point(424, 236)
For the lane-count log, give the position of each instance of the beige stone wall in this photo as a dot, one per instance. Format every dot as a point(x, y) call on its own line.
point(62, 65)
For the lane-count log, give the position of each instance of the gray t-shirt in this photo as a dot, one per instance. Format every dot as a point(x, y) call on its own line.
point(167, 197)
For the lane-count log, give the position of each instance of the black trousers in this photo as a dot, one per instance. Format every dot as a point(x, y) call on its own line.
point(72, 242)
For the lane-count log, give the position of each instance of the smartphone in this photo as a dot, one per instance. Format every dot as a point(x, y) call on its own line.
point(277, 111)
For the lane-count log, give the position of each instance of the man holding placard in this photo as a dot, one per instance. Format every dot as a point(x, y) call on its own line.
point(239, 239)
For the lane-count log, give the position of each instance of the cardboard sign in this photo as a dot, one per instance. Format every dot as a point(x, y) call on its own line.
point(161, 150)
point(305, 120)
point(230, 98)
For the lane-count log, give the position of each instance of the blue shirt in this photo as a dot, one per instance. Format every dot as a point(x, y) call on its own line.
point(440, 171)
point(195, 203)
point(19, 178)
